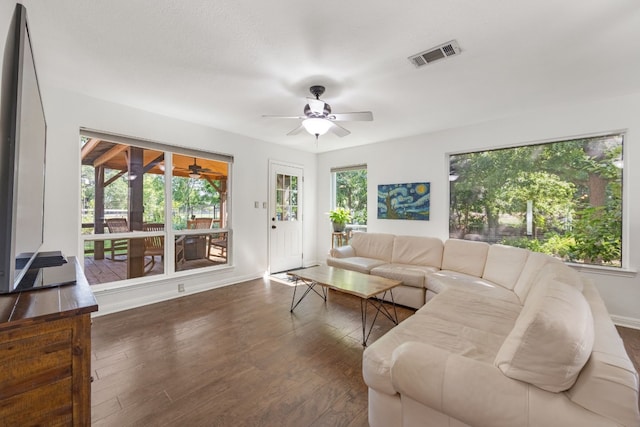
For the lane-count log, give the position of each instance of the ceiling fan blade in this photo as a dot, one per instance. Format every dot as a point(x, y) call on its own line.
point(338, 130)
point(316, 106)
point(296, 130)
point(284, 117)
point(364, 116)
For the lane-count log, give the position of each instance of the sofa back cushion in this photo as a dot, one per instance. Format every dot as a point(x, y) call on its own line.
point(532, 268)
point(504, 265)
point(465, 256)
point(373, 245)
point(561, 272)
point(551, 340)
point(417, 251)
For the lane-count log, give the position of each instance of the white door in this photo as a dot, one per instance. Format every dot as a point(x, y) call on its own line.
point(285, 217)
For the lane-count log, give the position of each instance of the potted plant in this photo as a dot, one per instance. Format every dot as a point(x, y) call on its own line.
point(339, 218)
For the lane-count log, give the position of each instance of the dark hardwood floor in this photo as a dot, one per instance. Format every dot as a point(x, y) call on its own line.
point(235, 356)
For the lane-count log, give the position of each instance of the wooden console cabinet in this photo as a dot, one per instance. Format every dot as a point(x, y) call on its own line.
point(45, 355)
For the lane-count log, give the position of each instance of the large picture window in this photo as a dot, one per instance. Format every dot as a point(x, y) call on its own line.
point(138, 195)
point(562, 198)
point(349, 185)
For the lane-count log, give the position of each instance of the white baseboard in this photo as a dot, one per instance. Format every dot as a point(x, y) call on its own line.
point(627, 322)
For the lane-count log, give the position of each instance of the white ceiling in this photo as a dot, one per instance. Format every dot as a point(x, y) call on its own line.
point(225, 63)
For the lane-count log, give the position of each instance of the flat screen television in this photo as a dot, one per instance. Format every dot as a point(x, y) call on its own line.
point(23, 131)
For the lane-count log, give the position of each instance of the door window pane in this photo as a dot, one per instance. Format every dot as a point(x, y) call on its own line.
point(286, 197)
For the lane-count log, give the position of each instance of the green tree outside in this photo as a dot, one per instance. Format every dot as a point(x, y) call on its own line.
point(351, 193)
point(574, 189)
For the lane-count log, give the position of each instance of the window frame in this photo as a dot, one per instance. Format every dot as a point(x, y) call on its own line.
point(334, 190)
point(169, 233)
point(624, 269)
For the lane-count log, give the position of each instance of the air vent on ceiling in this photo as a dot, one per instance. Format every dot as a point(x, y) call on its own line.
point(439, 52)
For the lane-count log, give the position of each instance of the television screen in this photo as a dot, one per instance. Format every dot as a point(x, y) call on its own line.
point(22, 156)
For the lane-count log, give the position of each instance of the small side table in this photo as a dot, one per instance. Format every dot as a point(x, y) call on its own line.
point(339, 238)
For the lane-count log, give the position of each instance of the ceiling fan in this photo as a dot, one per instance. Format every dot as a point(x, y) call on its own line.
point(318, 118)
point(196, 170)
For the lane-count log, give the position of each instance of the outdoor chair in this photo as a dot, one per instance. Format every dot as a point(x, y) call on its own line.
point(118, 225)
point(218, 241)
point(201, 242)
point(180, 254)
point(153, 246)
point(199, 223)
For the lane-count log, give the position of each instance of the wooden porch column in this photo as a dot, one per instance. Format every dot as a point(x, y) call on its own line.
point(135, 266)
point(98, 213)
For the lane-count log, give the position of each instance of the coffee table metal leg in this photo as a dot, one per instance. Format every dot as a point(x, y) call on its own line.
point(363, 307)
point(363, 315)
point(380, 308)
point(310, 287)
point(384, 310)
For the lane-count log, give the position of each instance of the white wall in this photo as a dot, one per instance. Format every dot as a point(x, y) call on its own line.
point(411, 159)
point(67, 112)
point(424, 158)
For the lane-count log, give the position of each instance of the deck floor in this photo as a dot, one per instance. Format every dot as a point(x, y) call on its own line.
point(107, 270)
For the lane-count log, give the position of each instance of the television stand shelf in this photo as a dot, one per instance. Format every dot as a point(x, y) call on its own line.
point(45, 354)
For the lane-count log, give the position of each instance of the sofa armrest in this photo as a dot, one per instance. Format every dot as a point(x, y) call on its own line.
point(342, 252)
point(468, 390)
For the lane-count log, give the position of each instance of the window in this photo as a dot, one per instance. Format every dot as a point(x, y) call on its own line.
point(137, 195)
point(562, 198)
point(350, 192)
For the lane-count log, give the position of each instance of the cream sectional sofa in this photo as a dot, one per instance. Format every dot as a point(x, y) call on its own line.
point(406, 258)
point(507, 337)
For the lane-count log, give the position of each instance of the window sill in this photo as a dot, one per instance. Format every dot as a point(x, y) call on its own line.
point(159, 278)
point(606, 271)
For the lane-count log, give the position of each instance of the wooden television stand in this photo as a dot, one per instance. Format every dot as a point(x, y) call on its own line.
point(45, 355)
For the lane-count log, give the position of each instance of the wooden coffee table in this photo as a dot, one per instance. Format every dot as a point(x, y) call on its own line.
point(364, 286)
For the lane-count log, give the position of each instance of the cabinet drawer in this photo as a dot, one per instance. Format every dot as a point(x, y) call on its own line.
point(35, 357)
point(49, 405)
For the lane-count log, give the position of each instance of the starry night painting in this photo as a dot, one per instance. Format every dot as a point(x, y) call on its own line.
point(404, 201)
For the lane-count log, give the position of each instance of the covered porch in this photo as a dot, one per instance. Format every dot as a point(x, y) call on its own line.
point(124, 215)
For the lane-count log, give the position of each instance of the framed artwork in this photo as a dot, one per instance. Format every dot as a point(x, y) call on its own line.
point(404, 201)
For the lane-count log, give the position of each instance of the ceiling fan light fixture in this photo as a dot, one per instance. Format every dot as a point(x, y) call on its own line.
point(194, 175)
point(316, 126)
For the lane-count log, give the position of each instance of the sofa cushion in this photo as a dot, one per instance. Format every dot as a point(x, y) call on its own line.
point(474, 311)
point(407, 296)
point(562, 273)
point(504, 265)
point(445, 279)
point(410, 275)
point(460, 323)
point(532, 268)
point(551, 340)
point(373, 245)
point(465, 256)
point(356, 263)
point(417, 250)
